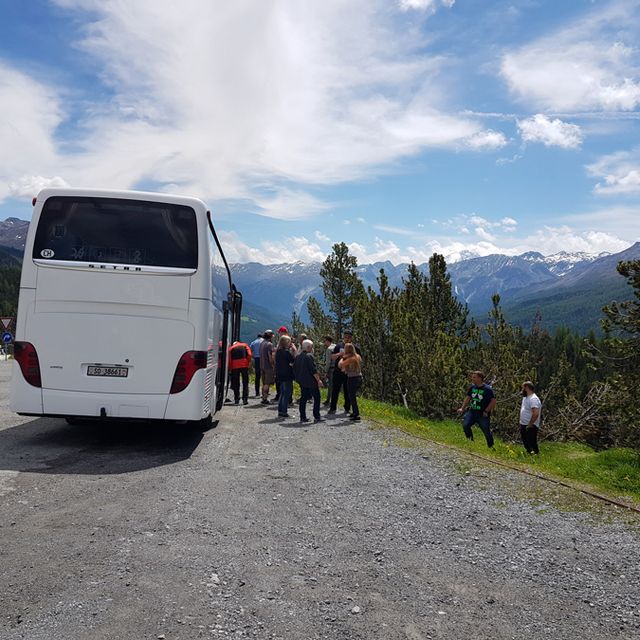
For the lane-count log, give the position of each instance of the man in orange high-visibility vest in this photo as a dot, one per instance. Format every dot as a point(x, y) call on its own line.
point(239, 363)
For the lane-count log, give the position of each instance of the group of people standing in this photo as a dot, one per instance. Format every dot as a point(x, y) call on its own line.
point(283, 361)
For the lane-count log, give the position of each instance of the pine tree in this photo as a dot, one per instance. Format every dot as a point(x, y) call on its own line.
point(341, 286)
point(321, 323)
point(622, 353)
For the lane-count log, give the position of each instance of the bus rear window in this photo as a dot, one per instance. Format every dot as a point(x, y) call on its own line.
point(117, 231)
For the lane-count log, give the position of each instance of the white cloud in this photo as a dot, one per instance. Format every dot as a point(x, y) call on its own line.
point(551, 133)
point(231, 101)
point(294, 249)
point(388, 228)
point(287, 204)
point(29, 186)
point(550, 240)
point(592, 64)
point(486, 140)
point(484, 234)
point(505, 224)
point(30, 112)
point(321, 237)
point(425, 5)
point(361, 220)
point(618, 173)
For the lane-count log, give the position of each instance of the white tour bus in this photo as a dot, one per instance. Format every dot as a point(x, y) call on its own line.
point(126, 308)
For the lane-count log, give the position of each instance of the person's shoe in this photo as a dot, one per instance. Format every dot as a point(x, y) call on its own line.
point(320, 419)
point(265, 401)
point(236, 402)
point(304, 419)
point(355, 418)
point(331, 412)
point(245, 401)
point(283, 415)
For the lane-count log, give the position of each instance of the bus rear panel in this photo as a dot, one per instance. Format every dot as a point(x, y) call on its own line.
point(117, 313)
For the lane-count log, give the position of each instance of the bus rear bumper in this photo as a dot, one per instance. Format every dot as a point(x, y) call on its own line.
point(187, 405)
point(104, 405)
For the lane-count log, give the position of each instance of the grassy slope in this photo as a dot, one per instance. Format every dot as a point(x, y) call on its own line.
point(615, 472)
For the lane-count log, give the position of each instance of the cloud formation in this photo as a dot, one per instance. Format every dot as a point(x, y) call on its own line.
point(292, 249)
point(235, 101)
point(550, 132)
point(425, 5)
point(592, 64)
point(30, 112)
point(618, 173)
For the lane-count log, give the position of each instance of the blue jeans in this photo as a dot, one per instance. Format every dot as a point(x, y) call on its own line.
point(286, 389)
point(484, 422)
point(307, 394)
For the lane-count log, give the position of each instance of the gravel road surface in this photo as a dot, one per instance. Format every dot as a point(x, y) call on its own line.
point(264, 529)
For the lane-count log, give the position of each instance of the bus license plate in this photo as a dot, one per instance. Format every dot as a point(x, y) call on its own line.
point(108, 372)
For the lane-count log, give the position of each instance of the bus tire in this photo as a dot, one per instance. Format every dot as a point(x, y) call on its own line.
point(205, 424)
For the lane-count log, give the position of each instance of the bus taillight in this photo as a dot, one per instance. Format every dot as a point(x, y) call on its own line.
point(188, 364)
point(27, 357)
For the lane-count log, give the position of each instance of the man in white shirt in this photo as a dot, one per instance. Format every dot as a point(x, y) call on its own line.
point(530, 414)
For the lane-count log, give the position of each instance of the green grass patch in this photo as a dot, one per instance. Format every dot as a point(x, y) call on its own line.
point(615, 472)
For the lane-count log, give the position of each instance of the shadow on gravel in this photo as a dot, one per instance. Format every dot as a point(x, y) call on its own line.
point(48, 445)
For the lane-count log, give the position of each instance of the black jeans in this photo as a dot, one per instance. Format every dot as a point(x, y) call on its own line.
point(307, 394)
point(353, 386)
point(235, 384)
point(529, 438)
point(256, 366)
point(339, 384)
point(484, 422)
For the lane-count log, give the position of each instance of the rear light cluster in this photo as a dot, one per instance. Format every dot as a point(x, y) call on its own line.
point(188, 364)
point(26, 356)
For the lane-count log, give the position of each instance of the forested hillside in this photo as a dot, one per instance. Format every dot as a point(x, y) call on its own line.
point(419, 345)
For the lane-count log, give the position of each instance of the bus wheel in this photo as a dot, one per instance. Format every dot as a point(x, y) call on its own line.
point(205, 424)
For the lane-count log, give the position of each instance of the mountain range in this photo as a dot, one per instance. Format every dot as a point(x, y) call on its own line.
point(565, 288)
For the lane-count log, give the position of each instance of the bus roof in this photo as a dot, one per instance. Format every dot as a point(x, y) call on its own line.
point(150, 196)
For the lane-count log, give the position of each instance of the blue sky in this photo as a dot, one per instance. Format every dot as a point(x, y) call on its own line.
point(400, 127)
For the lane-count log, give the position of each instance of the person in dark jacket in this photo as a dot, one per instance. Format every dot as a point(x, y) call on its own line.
point(306, 375)
point(339, 381)
point(284, 374)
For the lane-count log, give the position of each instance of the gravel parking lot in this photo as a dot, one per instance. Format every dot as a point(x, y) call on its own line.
point(264, 529)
